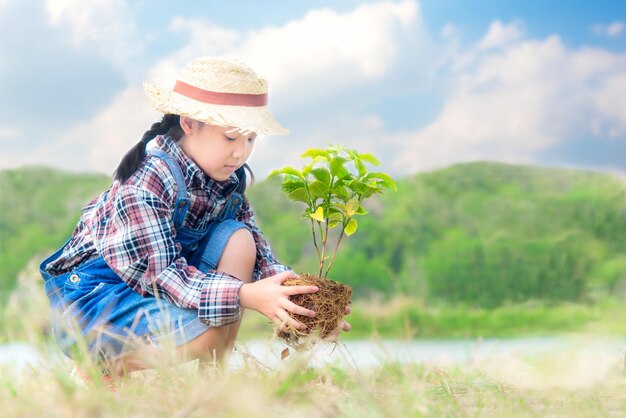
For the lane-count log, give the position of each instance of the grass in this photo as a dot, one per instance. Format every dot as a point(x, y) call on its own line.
point(294, 389)
point(559, 385)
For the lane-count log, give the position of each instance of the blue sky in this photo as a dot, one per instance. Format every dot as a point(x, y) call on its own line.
point(422, 84)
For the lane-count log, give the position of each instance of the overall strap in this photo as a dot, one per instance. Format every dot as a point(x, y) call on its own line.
point(182, 200)
point(232, 207)
point(236, 200)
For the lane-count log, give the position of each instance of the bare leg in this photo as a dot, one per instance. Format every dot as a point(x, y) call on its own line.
point(216, 344)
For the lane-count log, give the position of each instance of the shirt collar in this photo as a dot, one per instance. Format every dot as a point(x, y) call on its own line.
point(193, 174)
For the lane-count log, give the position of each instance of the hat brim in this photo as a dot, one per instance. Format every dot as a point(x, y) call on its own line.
point(246, 118)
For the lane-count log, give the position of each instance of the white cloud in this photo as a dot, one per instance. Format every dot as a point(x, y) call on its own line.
point(99, 144)
point(512, 104)
point(106, 25)
point(320, 56)
point(324, 53)
point(206, 39)
point(612, 30)
point(9, 133)
point(499, 35)
point(507, 97)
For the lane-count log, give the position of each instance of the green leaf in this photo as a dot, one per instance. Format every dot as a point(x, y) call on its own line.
point(360, 167)
point(287, 170)
point(334, 149)
point(361, 211)
point(338, 168)
point(306, 170)
point(351, 227)
point(318, 190)
point(336, 164)
point(289, 186)
point(339, 208)
point(370, 190)
point(299, 195)
point(322, 174)
point(369, 158)
point(315, 153)
point(318, 215)
point(341, 192)
point(335, 216)
point(385, 179)
point(358, 187)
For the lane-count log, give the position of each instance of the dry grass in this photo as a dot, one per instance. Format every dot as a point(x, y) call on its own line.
point(294, 389)
point(556, 385)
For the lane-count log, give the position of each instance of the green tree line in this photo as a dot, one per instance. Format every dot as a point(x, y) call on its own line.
point(479, 234)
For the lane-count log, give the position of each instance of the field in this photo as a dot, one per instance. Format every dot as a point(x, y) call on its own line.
point(550, 259)
point(513, 387)
point(567, 384)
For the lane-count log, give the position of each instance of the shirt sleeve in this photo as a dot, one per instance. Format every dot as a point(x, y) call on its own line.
point(266, 264)
point(137, 242)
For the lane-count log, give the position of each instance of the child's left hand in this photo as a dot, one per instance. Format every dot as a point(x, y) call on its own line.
point(343, 324)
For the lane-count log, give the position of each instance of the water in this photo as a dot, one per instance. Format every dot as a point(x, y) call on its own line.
point(16, 356)
point(366, 354)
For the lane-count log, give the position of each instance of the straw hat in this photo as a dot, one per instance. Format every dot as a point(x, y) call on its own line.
point(220, 92)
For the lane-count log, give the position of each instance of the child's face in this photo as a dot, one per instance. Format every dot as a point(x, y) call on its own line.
point(218, 151)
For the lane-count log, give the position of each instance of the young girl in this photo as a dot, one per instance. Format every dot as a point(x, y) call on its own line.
point(170, 253)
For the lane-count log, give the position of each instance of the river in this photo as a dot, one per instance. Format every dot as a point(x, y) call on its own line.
point(367, 354)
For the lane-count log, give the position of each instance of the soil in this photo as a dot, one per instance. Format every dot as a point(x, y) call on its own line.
point(329, 304)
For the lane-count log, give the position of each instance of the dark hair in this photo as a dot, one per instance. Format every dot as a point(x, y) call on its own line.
point(169, 124)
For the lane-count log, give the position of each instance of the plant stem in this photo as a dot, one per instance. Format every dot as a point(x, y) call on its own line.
point(324, 238)
point(334, 252)
point(312, 206)
point(315, 243)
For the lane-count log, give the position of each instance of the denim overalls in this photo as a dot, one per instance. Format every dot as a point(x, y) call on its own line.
point(92, 301)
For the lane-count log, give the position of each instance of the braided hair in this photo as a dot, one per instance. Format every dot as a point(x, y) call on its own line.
point(169, 124)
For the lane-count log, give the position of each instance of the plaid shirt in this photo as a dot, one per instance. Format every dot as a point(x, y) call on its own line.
point(130, 225)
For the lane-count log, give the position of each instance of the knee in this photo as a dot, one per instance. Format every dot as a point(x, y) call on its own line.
point(243, 243)
point(242, 248)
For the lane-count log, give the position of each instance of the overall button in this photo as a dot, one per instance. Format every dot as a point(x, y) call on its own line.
point(74, 278)
point(182, 204)
point(236, 201)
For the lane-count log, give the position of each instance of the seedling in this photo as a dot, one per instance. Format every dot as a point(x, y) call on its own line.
point(332, 186)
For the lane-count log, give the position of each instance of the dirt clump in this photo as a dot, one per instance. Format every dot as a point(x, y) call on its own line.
point(329, 304)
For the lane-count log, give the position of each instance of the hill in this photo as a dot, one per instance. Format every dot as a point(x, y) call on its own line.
point(38, 209)
point(482, 234)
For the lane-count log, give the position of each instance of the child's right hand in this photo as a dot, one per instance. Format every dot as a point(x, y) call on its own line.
point(270, 298)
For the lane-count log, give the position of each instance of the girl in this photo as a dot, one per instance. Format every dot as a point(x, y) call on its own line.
point(171, 252)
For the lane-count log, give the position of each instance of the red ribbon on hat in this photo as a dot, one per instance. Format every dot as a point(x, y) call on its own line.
point(219, 98)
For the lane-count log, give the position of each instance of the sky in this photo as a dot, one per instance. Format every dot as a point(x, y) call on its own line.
point(421, 84)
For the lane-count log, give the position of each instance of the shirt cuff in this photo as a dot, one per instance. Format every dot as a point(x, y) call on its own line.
point(219, 301)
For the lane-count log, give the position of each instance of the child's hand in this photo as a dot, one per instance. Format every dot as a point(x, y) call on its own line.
point(270, 298)
point(343, 324)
